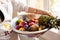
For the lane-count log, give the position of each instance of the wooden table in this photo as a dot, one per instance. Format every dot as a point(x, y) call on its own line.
point(47, 36)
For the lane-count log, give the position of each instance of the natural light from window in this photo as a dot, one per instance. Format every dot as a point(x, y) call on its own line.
point(55, 7)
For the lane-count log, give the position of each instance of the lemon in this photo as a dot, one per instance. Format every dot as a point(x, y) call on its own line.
point(21, 29)
point(41, 27)
point(20, 20)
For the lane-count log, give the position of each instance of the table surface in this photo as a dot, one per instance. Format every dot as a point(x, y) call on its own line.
point(47, 36)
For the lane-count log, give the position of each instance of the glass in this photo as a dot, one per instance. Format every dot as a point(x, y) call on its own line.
point(4, 34)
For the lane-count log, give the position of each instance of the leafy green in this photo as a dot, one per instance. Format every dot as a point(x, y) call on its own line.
point(49, 21)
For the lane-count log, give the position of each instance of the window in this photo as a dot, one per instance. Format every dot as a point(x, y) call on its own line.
point(54, 7)
point(36, 4)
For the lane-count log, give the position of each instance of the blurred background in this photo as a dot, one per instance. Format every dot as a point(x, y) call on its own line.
point(48, 5)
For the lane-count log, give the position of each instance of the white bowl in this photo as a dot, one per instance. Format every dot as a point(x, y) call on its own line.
point(23, 32)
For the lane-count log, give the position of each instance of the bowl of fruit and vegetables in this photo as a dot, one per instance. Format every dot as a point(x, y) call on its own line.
point(30, 24)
